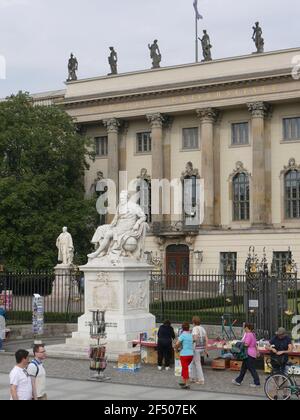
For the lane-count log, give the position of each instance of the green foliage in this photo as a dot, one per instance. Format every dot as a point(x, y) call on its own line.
point(42, 164)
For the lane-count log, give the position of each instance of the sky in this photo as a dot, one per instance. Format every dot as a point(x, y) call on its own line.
point(37, 36)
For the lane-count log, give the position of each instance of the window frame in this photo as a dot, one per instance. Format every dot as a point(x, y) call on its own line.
point(183, 147)
point(287, 139)
point(149, 143)
point(246, 202)
point(240, 123)
point(97, 148)
point(288, 198)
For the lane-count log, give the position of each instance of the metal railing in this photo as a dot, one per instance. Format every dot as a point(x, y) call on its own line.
point(63, 295)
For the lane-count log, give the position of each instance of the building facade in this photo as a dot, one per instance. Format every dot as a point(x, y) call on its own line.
point(236, 121)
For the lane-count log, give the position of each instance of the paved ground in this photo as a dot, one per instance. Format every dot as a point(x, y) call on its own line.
point(64, 389)
point(149, 376)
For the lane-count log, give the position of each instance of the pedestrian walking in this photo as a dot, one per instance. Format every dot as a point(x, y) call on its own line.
point(37, 372)
point(185, 345)
point(200, 348)
point(19, 379)
point(165, 335)
point(249, 341)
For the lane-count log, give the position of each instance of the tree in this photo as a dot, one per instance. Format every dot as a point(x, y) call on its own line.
point(42, 163)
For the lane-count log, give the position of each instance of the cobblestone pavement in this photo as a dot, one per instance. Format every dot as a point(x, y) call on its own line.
point(216, 381)
point(65, 389)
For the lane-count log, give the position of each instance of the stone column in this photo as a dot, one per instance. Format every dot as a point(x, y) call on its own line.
point(208, 117)
point(156, 121)
point(259, 111)
point(112, 125)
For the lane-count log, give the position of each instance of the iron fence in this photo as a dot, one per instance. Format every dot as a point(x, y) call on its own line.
point(62, 292)
point(266, 301)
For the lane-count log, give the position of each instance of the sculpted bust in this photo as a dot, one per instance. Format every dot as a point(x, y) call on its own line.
point(125, 236)
point(65, 247)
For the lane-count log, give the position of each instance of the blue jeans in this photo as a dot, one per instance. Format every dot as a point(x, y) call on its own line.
point(248, 364)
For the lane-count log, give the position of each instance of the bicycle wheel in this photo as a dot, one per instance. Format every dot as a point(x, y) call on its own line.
point(278, 387)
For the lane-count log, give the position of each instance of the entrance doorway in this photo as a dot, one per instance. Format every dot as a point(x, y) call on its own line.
point(177, 267)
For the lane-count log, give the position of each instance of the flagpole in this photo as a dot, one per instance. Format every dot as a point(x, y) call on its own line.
point(196, 41)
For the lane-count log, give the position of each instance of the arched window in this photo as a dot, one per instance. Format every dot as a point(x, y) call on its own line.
point(241, 197)
point(292, 194)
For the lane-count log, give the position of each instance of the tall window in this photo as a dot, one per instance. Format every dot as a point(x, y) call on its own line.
point(190, 138)
point(101, 146)
point(292, 195)
point(291, 128)
point(280, 259)
point(228, 262)
point(239, 133)
point(241, 197)
point(144, 143)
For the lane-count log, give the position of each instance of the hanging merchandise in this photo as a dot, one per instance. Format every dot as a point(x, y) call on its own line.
point(38, 315)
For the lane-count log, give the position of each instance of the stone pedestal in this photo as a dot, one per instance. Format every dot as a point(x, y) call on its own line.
point(122, 290)
point(61, 285)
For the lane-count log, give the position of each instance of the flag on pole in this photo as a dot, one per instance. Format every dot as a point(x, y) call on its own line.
point(198, 16)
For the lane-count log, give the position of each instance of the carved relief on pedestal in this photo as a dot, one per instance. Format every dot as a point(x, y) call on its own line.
point(104, 293)
point(137, 295)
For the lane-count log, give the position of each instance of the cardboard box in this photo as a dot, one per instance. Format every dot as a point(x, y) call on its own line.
point(295, 360)
point(149, 355)
point(235, 365)
point(129, 367)
point(130, 358)
point(220, 364)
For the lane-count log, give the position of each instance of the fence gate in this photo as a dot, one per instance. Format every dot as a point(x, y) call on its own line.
point(271, 300)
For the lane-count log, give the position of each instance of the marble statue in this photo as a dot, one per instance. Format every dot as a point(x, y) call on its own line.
point(257, 38)
point(206, 46)
point(125, 236)
point(72, 67)
point(155, 54)
point(65, 247)
point(113, 60)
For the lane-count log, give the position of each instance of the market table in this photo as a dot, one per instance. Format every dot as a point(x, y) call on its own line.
point(294, 358)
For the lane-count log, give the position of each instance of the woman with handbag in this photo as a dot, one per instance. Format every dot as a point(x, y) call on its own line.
point(200, 348)
point(185, 346)
point(249, 341)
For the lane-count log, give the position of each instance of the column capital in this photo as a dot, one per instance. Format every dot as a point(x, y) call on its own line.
point(156, 120)
point(112, 125)
point(208, 115)
point(259, 109)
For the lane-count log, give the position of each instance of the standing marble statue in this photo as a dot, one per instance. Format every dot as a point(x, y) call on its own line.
point(72, 67)
point(125, 236)
point(113, 60)
point(65, 247)
point(155, 54)
point(206, 46)
point(257, 38)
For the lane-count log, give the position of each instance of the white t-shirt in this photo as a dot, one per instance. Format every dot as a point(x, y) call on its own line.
point(20, 378)
point(40, 377)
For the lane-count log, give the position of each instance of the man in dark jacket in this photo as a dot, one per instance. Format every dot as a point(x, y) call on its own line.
point(281, 346)
point(164, 345)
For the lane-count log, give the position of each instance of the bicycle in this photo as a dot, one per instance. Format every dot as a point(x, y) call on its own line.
point(282, 386)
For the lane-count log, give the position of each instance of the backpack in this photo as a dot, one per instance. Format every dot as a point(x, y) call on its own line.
point(35, 363)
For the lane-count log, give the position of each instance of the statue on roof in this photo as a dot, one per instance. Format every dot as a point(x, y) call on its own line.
point(206, 46)
point(113, 60)
point(258, 39)
point(155, 54)
point(72, 68)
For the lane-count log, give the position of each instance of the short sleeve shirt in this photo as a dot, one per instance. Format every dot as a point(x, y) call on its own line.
point(40, 377)
point(21, 379)
point(281, 344)
point(186, 339)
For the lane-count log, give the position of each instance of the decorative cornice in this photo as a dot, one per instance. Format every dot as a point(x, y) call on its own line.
point(156, 120)
point(190, 171)
point(239, 169)
point(292, 166)
point(259, 109)
point(165, 91)
point(208, 115)
point(112, 125)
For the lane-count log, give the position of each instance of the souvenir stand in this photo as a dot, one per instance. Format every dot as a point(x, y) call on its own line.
point(97, 353)
point(37, 316)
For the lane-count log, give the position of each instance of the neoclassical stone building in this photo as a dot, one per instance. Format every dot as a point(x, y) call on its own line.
point(236, 120)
